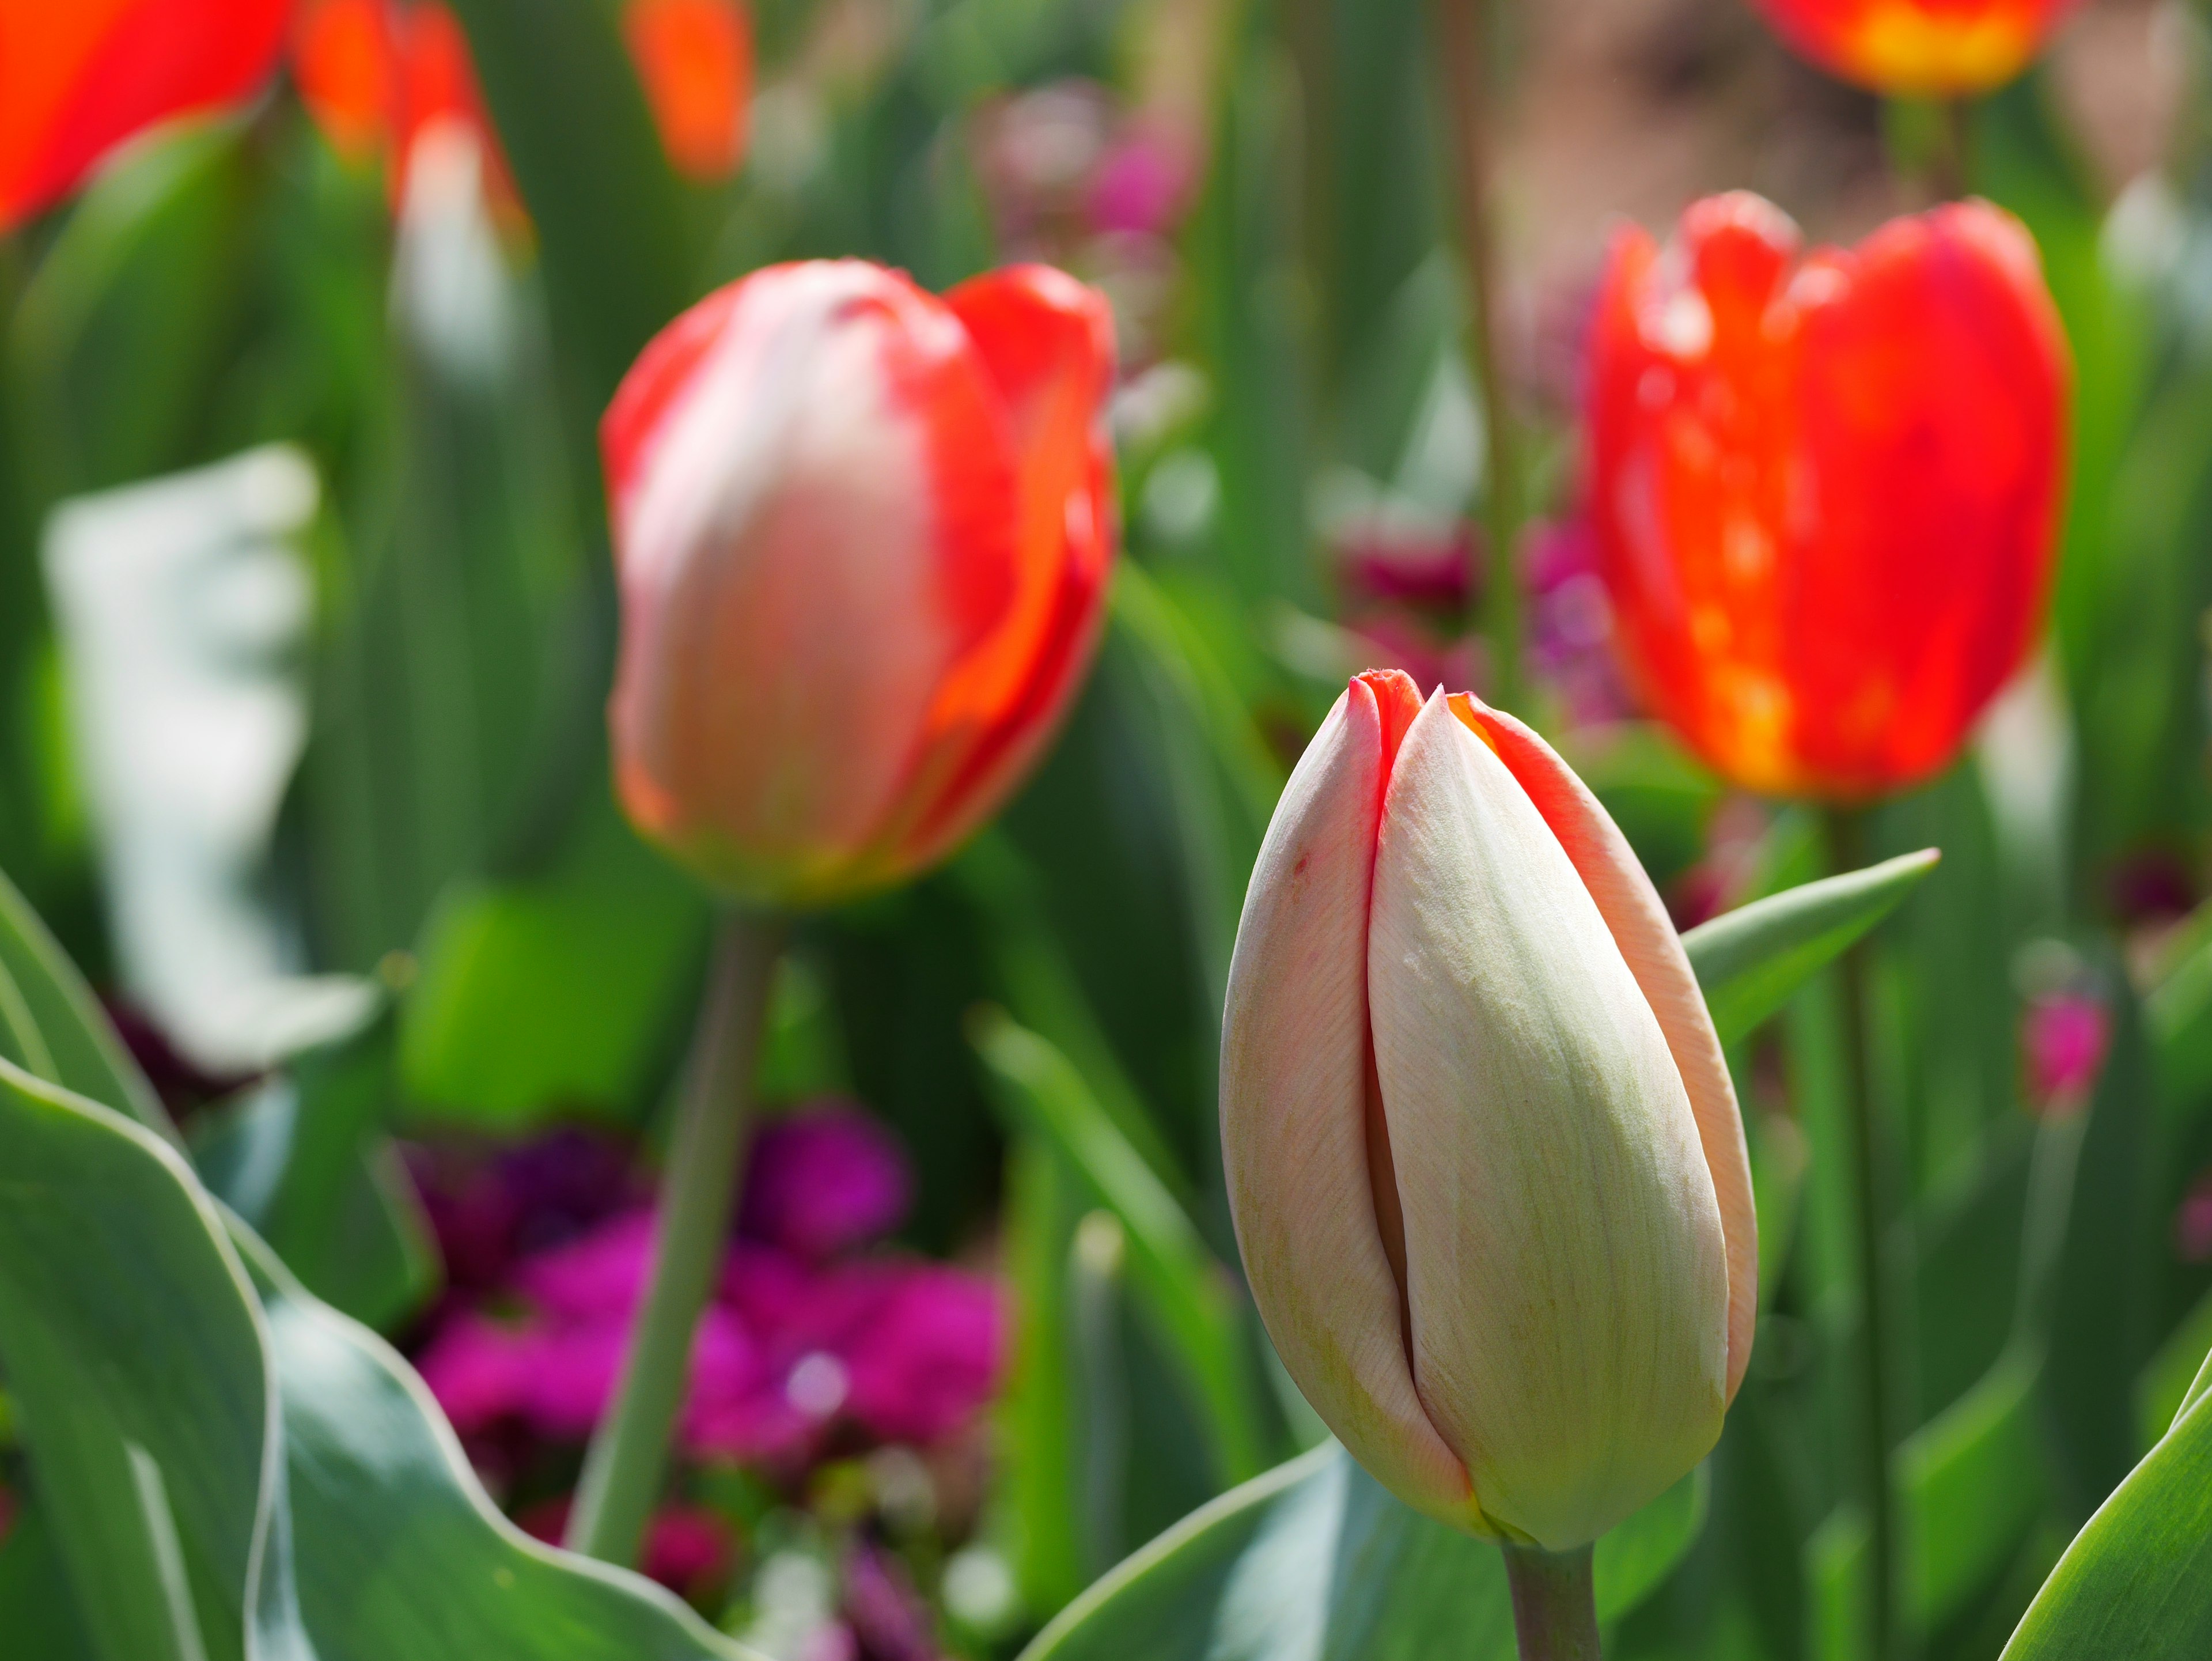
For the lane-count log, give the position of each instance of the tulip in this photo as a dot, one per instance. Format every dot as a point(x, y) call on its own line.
point(1923, 48)
point(78, 78)
point(862, 536)
point(1482, 1151)
point(1825, 492)
point(695, 60)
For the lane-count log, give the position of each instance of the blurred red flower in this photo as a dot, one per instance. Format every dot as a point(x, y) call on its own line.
point(79, 77)
point(1826, 490)
point(1931, 48)
point(862, 535)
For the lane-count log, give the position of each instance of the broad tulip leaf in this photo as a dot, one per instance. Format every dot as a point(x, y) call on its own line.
point(2137, 1580)
point(50, 1025)
point(1315, 1560)
point(130, 1307)
point(1750, 960)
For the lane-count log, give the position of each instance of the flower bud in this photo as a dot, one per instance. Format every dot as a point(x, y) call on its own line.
point(1482, 1150)
point(862, 536)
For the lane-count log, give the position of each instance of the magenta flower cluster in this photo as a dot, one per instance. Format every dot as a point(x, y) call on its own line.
point(814, 1338)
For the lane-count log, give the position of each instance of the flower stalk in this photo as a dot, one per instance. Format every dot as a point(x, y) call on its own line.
point(629, 1455)
point(1458, 26)
point(1846, 834)
point(1554, 1603)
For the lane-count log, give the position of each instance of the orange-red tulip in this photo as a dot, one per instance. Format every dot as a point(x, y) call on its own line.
point(1924, 48)
point(863, 535)
point(1482, 1151)
point(1826, 490)
point(77, 77)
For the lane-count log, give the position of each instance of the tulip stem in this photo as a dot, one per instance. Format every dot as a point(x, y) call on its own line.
point(1459, 38)
point(1846, 829)
point(628, 1454)
point(1554, 1603)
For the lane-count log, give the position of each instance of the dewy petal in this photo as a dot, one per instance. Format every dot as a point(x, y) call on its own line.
point(1565, 1260)
point(1638, 923)
point(1294, 1145)
point(813, 500)
point(1047, 342)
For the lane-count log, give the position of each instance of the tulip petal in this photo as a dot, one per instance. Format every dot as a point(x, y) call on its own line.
point(1047, 342)
point(812, 491)
point(1565, 1259)
point(1638, 921)
point(78, 78)
point(1294, 1066)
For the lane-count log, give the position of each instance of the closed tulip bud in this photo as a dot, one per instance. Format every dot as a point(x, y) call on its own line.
point(1917, 48)
point(1825, 491)
point(1482, 1151)
point(862, 536)
point(80, 77)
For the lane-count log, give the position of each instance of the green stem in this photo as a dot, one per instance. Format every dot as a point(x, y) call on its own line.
point(1846, 830)
point(1554, 1603)
point(1459, 35)
point(629, 1455)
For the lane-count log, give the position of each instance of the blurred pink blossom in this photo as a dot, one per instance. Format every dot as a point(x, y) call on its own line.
point(825, 1181)
point(1139, 184)
point(1570, 644)
point(2193, 1222)
point(2063, 1036)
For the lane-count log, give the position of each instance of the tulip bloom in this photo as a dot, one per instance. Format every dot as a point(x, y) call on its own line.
point(1923, 48)
point(1826, 493)
point(863, 536)
point(1482, 1150)
point(80, 76)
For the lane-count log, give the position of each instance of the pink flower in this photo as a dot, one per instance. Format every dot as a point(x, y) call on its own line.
point(2063, 1036)
point(2193, 1222)
point(823, 1182)
point(930, 1354)
point(476, 1368)
point(687, 1547)
point(891, 1622)
point(1140, 185)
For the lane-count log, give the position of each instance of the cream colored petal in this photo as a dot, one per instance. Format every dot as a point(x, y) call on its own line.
point(1294, 1082)
point(1565, 1262)
point(1641, 928)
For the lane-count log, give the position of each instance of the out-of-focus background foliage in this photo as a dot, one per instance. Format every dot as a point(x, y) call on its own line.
point(305, 626)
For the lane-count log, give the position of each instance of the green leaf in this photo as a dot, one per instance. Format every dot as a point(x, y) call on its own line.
point(60, 1033)
point(1181, 1282)
point(555, 990)
point(1750, 960)
point(304, 1160)
point(136, 1321)
point(2137, 1580)
point(1315, 1560)
point(609, 213)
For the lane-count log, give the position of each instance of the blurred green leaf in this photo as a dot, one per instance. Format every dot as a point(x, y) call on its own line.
point(610, 215)
point(2137, 1580)
point(1750, 960)
point(558, 991)
point(1043, 1492)
point(305, 1160)
point(1315, 1559)
point(1178, 1279)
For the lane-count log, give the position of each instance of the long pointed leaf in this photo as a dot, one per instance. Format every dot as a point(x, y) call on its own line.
point(1751, 959)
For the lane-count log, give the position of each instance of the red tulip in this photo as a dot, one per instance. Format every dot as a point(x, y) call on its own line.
point(1825, 491)
point(77, 77)
point(1929, 48)
point(862, 535)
